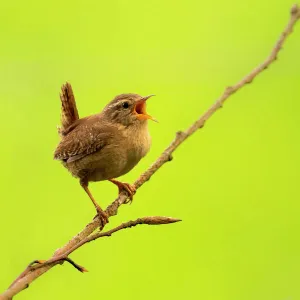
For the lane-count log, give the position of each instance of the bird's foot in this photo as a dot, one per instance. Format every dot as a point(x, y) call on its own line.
point(103, 217)
point(129, 188)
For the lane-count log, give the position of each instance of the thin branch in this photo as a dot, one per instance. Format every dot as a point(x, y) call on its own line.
point(29, 276)
point(95, 236)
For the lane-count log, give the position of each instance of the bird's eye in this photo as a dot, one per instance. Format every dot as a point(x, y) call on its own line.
point(125, 104)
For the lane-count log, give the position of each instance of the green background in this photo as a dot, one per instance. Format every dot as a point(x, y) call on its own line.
point(235, 183)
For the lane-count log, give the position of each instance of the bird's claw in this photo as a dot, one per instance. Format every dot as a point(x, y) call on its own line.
point(130, 189)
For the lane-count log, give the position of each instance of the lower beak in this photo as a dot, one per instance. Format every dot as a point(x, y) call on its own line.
point(140, 109)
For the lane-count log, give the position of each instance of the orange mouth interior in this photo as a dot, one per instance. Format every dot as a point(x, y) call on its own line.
point(140, 110)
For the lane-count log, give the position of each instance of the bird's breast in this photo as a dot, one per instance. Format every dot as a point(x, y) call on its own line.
point(138, 145)
point(120, 154)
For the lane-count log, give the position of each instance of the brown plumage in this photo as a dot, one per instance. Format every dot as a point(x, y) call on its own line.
point(106, 145)
point(69, 112)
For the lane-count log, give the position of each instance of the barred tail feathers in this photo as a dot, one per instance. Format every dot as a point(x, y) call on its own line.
point(69, 112)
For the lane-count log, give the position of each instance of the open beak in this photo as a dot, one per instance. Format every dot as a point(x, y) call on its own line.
point(140, 109)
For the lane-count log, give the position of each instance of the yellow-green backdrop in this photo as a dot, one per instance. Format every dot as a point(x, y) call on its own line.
point(235, 183)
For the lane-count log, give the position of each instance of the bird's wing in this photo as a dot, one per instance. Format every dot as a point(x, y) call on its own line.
point(69, 112)
point(86, 138)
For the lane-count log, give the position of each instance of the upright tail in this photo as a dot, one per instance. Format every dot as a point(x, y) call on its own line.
point(69, 112)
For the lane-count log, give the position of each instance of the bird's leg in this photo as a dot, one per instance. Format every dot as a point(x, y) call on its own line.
point(129, 188)
point(101, 213)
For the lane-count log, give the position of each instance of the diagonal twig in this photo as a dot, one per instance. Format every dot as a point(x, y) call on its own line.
point(95, 236)
point(28, 276)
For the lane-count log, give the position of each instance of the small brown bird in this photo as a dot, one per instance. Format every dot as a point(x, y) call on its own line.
point(106, 145)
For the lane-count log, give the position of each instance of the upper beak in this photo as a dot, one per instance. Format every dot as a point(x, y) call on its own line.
point(147, 97)
point(140, 109)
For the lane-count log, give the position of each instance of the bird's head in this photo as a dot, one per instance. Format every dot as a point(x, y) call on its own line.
point(128, 109)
